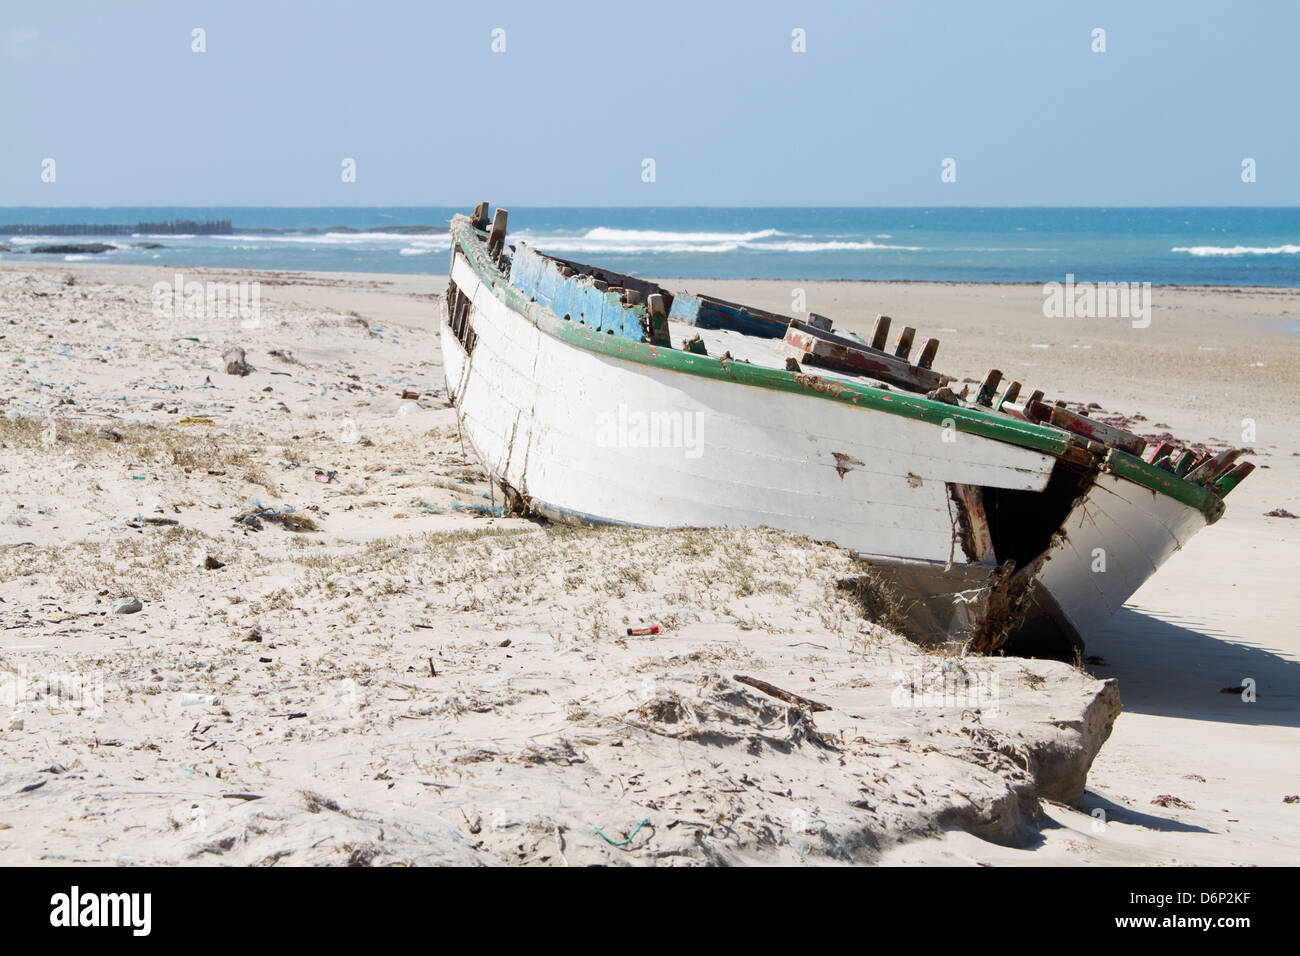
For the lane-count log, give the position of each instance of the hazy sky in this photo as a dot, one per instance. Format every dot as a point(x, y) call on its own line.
point(712, 92)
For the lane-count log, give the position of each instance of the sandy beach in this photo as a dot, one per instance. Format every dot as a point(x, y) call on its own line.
point(383, 669)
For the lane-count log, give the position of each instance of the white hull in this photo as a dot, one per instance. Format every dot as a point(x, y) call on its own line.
point(1114, 539)
point(541, 412)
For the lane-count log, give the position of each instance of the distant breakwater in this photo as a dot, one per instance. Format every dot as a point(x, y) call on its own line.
point(176, 227)
point(186, 227)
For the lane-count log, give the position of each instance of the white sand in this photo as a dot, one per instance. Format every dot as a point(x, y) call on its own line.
point(516, 752)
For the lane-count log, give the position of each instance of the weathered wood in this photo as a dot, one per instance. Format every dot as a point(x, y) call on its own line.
point(480, 217)
point(1234, 477)
point(880, 334)
point(709, 312)
point(928, 352)
point(904, 346)
point(1210, 469)
point(1157, 452)
point(1011, 393)
point(988, 388)
point(1058, 416)
point(815, 347)
point(1184, 463)
point(820, 322)
point(772, 690)
point(497, 237)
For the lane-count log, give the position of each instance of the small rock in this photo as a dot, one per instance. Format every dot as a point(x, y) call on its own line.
point(211, 564)
point(235, 361)
point(127, 605)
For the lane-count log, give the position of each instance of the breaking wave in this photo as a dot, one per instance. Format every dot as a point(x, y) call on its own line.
point(1287, 250)
point(644, 241)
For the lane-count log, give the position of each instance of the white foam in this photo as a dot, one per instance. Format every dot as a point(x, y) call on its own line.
point(639, 242)
point(1287, 250)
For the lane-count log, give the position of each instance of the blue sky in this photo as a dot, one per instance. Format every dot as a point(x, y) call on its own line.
point(713, 92)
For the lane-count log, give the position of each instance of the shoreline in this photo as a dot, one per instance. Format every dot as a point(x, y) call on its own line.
point(678, 281)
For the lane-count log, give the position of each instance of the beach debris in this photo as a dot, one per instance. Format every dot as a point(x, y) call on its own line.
point(632, 836)
point(109, 434)
point(213, 564)
point(408, 394)
point(199, 700)
point(1196, 777)
point(254, 636)
point(1169, 800)
point(235, 361)
point(323, 476)
point(773, 691)
point(408, 408)
point(1292, 798)
point(287, 519)
point(127, 605)
point(284, 355)
point(642, 631)
point(1279, 513)
point(196, 419)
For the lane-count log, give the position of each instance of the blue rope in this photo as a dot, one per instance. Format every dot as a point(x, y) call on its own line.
point(629, 839)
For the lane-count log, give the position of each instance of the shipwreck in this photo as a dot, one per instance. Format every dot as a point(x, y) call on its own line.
point(999, 520)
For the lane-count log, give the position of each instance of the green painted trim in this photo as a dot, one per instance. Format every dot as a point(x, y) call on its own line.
point(1051, 441)
point(1134, 469)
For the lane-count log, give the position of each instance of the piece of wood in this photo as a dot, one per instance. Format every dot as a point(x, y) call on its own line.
point(1011, 393)
point(988, 388)
point(1058, 416)
point(880, 334)
point(773, 691)
point(1213, 468)
point(1233, 478)
point(812, 346)
point(497, 237)
point(903, 348)
point(928, 352)
point(1157, 452)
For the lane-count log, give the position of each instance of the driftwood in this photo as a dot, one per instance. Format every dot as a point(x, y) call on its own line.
point(773, 691)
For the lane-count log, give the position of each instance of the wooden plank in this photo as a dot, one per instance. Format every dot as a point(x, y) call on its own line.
point(1157, 452)
point(1233, 478)
point(904, 346)
point(814, 347)
point(988, 388)
point(1010, 395)
point(1213, 468)
point(497, 237)
point(977, 537)
point(880, 334)
point(928, 353)
point(1059, 416)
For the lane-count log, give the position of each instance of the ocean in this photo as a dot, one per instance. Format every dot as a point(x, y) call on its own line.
point(1163, 246)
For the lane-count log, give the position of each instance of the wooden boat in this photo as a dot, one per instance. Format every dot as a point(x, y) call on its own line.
point(998, 520)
